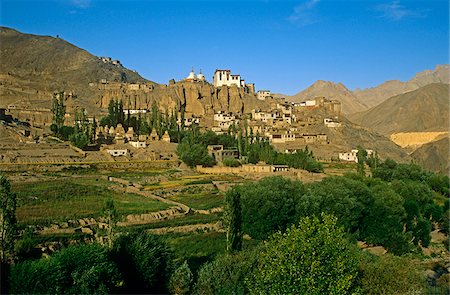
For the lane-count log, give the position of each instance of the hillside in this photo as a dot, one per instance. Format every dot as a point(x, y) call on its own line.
point(424, 109)
point(46, 58)
point(434, 155)
point(330, 90)
point(376, 95)
point(46, 64)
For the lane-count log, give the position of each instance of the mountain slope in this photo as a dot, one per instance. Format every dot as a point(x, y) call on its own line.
point(60, 60)
point(376, 95)
point(33, 67)
point(424, 109)
point(330, 90)
point(434, 155)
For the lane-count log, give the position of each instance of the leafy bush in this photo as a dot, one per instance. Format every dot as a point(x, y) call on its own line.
point(231, 162)
point(311, 258)
point(145, 261)
point(195, 154)
point(75, 270)
point(181, 280)
point(80, 140)
point(388, 274)
point(226, 274)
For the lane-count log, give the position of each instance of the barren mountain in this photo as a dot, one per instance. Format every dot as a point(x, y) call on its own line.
point(434, 155)
point(424, 109)
point(376, 95)
point(33, 66)
point(330, 90)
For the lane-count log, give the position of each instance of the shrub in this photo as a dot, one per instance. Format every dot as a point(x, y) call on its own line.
point(75, 270)
point(311, 258)
point(226, 274)
point(231, 162)
point(145, 261)
point(389, 274)
point(181, 280)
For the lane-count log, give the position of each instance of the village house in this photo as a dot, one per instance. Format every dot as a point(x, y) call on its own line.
point(218, 153)
point(263, 94)
point(330, 123)
point(352, 156)
point(117, 152)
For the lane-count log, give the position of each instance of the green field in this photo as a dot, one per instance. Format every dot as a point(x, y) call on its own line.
point(202, 201)
point(59, 200)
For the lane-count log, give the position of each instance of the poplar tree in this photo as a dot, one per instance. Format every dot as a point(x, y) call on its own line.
point(8, 219)
point(58, 110)
point(232, 220)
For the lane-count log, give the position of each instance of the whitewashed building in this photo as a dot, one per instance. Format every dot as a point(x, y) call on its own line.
point(263, 94)
point(225, 78)
point(352, 156)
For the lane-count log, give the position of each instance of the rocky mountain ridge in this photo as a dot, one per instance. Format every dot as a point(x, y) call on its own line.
point(362, 99)
point(422, 110)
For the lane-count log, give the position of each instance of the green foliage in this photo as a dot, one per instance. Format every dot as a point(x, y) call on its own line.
point(181, 280)
point(231, 162)
point(388, 274)
point(145, 261)
point(384, 222)
point(433, 212)
point(226, 274)
point(440, 183)
point(80, 140)
point(59, 111)
point(311, 258)
point(269, 205)
point(232, 220)
point(348, 199)
point(301, 159)
point(8, 230)
point(109, 213)
point(79, 269)
point(115, 114)
point(362, 158)
point(194, 154)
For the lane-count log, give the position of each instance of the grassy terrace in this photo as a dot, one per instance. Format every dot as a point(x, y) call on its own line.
point(140, 176)
point(59, 200)
point(200, 201)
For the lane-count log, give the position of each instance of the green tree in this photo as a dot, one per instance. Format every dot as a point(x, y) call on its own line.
point(362, 158)
point(232, 220)
point(389, 274)
point(311, 258)
point(80, 269)
point(350, 200)
point(227, 273)
point(194, 154)
point(58, 110)
point(8, 221)
point(181, 280)
point(110, 215)
point(80, 140)
point(385, 220)
point(145, 261)
point(269, 205)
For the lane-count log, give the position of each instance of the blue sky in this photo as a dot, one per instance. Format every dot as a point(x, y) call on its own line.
point(284, 46)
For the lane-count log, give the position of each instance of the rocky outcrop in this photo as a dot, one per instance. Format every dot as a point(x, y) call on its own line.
point(199, 98)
